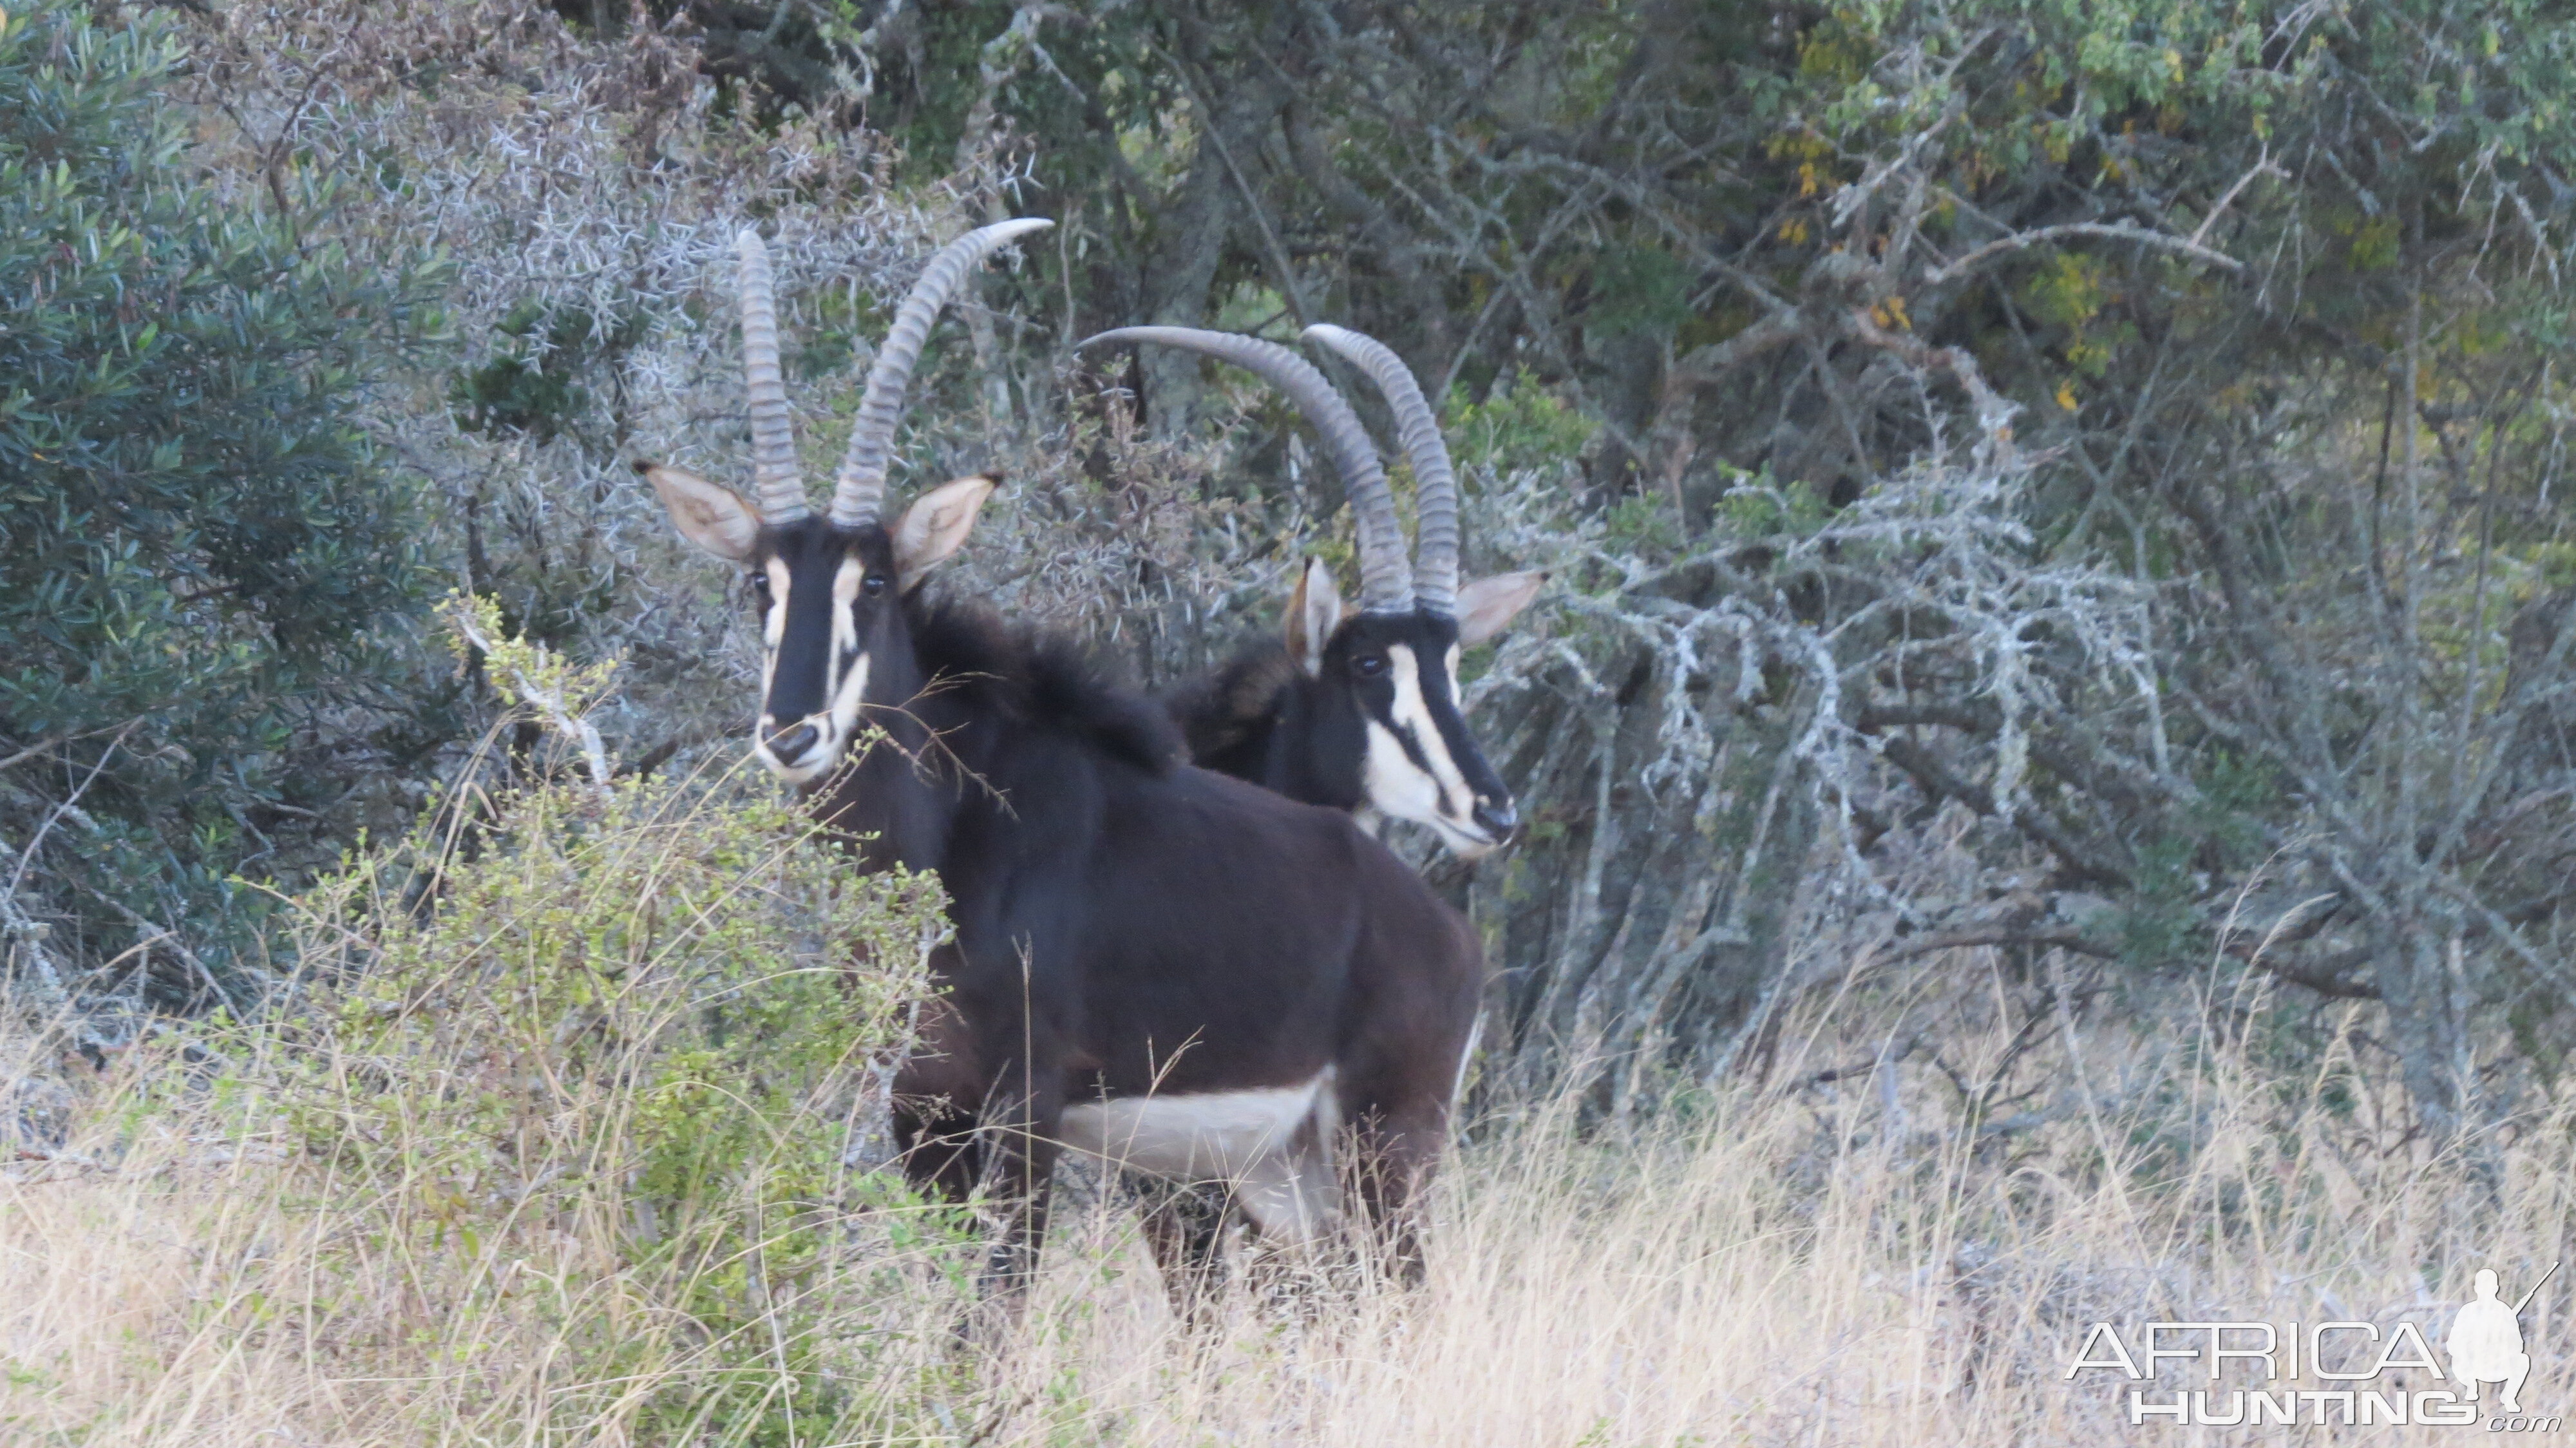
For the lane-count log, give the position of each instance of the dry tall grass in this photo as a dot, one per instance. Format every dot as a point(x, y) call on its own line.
point(1823, 1261)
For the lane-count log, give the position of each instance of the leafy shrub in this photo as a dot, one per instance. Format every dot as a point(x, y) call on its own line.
point(606, 1073)
point(198, 548)
point(635, 1031)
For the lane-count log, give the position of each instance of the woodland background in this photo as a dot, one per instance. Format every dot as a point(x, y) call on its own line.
point(2046, 748)
point(2054, 508)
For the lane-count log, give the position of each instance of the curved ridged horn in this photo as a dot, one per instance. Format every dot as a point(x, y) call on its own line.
point(779, 490)
point(863, 469)
point(1386, 579)
point(1435, 558)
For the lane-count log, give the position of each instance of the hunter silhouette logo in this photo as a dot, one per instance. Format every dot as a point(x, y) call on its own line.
point(2367, 1375)
point(2486, 1341)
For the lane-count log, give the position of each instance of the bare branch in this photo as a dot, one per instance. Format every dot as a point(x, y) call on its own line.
point(2114, 231)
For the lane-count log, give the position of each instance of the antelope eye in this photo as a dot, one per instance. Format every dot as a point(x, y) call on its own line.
point(873, 585)
point(1368, 666)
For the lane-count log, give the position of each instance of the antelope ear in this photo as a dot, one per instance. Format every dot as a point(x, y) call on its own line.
point(1488, 604)
point(935, 526)
point(1314, 611)
point(708, 514)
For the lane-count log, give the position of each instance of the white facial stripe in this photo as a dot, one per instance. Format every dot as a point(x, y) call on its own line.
point(849, 671)
point(774, 627)
point(845, 629)
point(1413, 713)
point(1391, 781)
point(1403, 789)
point(845, 591)
point(846, 699)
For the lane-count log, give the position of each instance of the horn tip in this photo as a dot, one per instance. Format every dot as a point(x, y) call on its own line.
point(1000, 233)
point(1129, 334)
point(1197, 338)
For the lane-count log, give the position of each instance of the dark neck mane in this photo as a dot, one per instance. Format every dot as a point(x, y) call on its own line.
point(1229, 713)
point(979, 667)
point(985, 688)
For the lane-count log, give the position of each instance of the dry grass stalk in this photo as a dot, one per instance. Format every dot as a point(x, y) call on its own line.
point(1842, 1257)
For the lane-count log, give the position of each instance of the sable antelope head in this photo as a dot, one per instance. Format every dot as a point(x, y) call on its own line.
point(830, 588)
point(1378, 723)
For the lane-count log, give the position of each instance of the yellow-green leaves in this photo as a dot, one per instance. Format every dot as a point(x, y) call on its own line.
point(653, 1026)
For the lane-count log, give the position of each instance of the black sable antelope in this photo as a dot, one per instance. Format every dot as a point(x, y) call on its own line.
point(1166, 968)
point(1359, 711)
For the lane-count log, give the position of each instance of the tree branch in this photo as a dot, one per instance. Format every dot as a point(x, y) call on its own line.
point(1937, 779)
point(2116, 231)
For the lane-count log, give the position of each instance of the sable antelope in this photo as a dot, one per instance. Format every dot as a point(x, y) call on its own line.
point(1359, 711)
point(1166, 968)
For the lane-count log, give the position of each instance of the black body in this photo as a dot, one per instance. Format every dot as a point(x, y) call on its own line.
point(1131, 932)
point(1126, 924)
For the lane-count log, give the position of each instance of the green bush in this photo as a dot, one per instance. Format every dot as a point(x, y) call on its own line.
point(200, 552)
point(592, 1093)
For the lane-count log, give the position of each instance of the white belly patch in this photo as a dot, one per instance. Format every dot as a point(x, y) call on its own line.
point(1210, 1136)
point(1253, 1141)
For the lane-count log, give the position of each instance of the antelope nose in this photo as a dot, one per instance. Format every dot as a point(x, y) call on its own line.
point(1497, 817)
point(789, 744)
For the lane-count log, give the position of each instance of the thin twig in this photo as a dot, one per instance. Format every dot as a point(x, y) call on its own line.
point(2113, 231)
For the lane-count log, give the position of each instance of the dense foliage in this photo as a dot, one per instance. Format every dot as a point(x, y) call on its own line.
point(2077, 482)
point(630, 1031)
point(2257, 309)
point(200, 550)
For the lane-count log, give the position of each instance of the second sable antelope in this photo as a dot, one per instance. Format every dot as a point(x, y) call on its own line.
point(1359, 710)
point(1162, 967)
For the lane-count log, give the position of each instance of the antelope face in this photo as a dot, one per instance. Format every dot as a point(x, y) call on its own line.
point(1388, 718)
point(1417, 761)
point(830, 605)
point(1377, 724)
point(827, 600)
